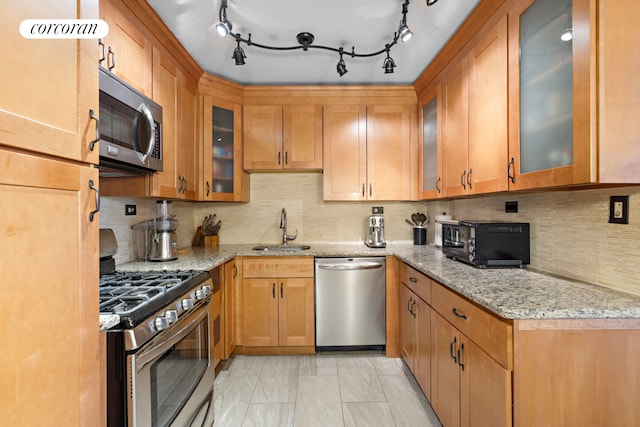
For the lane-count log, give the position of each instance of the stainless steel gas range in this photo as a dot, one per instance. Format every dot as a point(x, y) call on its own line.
point(160, 368)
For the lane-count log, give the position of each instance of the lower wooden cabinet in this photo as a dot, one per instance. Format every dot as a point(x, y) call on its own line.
point(278, 302)
point(229, 298)
point(415, 325)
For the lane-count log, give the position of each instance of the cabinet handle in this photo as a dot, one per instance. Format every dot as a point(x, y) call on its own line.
point(409, 304)
point(370, 190)
point(460, 350)
point(458, 314)
point(462, 179)
point(235, 271)
point(469, 178)
point(413, 279)
point(438, 184)
point(451, 346)
point(273, 290)
point(208, 188)
point(281, 291)
point(111, 54)
point(362, 189)
point(92, 116)
point(509, 175)
point(101, 51)
point(94, 188)
point(279, 153)
point(286, 157)
point(186, 185)
point(413, 312)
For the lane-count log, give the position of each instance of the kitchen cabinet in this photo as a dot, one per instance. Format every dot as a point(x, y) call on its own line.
point(49, 115)
point(51, 369)
point(367, 152)
point(430, 145)
point(278, 302)
point(46, 355)
point(472, 362)
point(229, 298)
point(177, 96)
point(572, 372)
point(572, 120)
point(415, 325)
point(283, 137)
point(223, 178)
point(475, 134)
point(126, 50)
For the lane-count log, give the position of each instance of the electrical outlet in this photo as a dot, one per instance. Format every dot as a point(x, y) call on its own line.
point(619, 210)
point(511, 207)
point(130, 209)
point(377, 210)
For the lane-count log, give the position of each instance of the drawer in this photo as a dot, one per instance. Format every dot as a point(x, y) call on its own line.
point(491, 333)
point(280, 267)
point(416, 281)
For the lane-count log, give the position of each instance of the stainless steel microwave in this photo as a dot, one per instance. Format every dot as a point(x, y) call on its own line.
point(130, 129)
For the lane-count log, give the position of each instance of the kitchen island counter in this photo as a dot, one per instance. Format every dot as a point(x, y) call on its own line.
point(511, 293)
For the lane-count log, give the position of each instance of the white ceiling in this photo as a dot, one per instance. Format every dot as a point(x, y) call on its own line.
point(366, 24)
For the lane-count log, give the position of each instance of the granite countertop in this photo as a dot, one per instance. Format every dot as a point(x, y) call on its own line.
point(512, 293)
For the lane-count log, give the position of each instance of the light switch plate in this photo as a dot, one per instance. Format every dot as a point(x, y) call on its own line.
point(619, 210)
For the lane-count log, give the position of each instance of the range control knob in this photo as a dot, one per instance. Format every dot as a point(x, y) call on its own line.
point(161, 323)
point(187, 303)
point(472, 256)
point(171, 316)
point(203, 292)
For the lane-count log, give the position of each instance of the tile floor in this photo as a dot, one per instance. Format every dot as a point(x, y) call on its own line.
point(324, 390)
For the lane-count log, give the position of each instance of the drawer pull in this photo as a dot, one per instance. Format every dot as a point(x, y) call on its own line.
point(459, 315)
point(413, 280)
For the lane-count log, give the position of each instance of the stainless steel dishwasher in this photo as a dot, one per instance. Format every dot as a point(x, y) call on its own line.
point(350, 303)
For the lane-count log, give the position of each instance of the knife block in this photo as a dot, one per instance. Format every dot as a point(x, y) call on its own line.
point(211, 241)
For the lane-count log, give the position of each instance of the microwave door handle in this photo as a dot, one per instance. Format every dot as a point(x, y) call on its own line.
point(146, 113)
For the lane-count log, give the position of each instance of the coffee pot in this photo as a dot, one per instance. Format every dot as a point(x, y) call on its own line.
point(156, 239)
point(375, 234)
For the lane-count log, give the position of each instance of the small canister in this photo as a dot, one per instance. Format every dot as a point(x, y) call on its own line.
point(420, 236)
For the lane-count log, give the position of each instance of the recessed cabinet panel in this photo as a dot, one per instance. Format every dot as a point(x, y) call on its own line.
point(546, 87)
point(430, 172)
point(222, 150)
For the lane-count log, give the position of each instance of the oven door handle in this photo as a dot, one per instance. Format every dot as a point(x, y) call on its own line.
point(160, 344)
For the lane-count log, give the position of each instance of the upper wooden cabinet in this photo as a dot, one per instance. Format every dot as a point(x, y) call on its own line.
point(178, 100)
point(127, 49)
point(475, 137)
point(223, 178)
point(430, 145)
point(283, 137)
point(573, 111)
point(368, 151)
point(49, 113)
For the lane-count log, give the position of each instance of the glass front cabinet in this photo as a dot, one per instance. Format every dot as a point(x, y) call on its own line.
point(430, 174)
point(223, 177)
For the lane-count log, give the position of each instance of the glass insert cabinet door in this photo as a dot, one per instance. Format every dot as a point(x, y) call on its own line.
point(546, 86)
point(222, 150)
point(430, 175)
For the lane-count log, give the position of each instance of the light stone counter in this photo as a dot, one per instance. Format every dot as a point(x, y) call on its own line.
point(512, 293)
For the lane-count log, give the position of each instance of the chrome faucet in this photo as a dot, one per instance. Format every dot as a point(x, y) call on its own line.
point(283, 225)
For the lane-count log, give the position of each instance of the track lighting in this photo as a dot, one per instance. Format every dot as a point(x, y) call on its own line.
point(341, 67)
point(403, 30)
point(238, 53)
point(223, 27)
point(388, 63)
point(305, 41)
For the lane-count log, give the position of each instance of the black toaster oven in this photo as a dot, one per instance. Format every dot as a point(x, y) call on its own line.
point(487, 243)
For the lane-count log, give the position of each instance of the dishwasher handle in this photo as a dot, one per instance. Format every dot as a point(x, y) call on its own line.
point(351, 266)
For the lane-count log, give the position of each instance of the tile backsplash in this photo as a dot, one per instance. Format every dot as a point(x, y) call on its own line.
point(570, 235)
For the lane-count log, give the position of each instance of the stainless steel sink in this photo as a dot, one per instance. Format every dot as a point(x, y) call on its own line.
point(281, 248)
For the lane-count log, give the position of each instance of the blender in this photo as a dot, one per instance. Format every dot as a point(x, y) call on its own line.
point(156, 239)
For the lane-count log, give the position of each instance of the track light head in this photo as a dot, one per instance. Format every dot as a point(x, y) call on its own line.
point(223, 28)
point(404, 32)
point(342, 68)
point(388, 64)
point(238, 53)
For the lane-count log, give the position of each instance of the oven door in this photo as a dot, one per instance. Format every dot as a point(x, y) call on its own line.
point(170, 380)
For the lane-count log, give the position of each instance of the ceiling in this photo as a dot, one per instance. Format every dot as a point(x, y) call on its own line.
point(365, 24)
